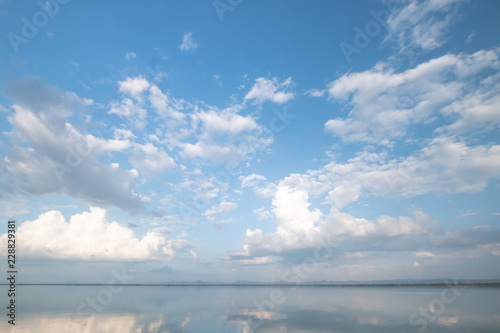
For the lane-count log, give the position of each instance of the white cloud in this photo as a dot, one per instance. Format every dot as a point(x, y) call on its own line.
point(99, 145)
point(298, 227)
point(150, 160)
point(444, 166)
point(223, 207)
point(89, 236)
point(487, 226)
point(270, 90)
point(262, 214)
point(251, 180)
point(188, 42)
point(166, 106)
point(220, 123)
point(130, 55)
point(301, 231)
point(197, 129)
point(257, 261)
point(134, 86)
point(210, 151)
point(424, 255)
point(131, 110)
point(226, 136)
point(478, 110)
point(122, 133)
point(291, 208)
point(48, 155)
point(316, 92)
point(421, 24)
point(384, 104)
point(254, 181)
point(193, 255)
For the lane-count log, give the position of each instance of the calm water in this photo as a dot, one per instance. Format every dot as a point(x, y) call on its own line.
point(254, 309)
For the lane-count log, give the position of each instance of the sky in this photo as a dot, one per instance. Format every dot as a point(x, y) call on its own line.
point(250, 140)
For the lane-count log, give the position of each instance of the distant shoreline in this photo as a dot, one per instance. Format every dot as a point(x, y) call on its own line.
point(378, 285)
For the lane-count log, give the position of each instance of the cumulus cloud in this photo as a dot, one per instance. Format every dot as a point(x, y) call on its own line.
point(89, 236)
point(134, 86)
point(444, 166)
point(302, 229)
point(270, 90)
point(188, 42)
point(49, 155)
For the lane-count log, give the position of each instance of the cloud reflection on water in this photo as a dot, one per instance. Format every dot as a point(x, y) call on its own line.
point(236, 309)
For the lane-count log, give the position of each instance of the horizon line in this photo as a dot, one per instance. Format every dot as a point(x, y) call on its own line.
point(420, 284)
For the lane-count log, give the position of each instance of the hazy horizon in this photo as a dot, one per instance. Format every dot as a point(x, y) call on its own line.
point(156, 141)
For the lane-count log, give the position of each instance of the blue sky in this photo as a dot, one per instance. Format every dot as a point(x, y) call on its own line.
point(248, 140)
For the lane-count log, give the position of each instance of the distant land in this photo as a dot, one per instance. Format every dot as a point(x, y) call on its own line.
point(374, 283)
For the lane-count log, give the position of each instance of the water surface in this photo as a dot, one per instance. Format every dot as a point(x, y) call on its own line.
point(94, 309)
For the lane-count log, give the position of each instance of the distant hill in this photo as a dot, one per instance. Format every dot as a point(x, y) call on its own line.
point(396, 282)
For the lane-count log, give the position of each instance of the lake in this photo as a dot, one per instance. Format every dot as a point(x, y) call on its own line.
point(94, 309)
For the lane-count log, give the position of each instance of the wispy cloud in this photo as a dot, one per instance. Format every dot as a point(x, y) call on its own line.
point(421, 24)
point(130, 55)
